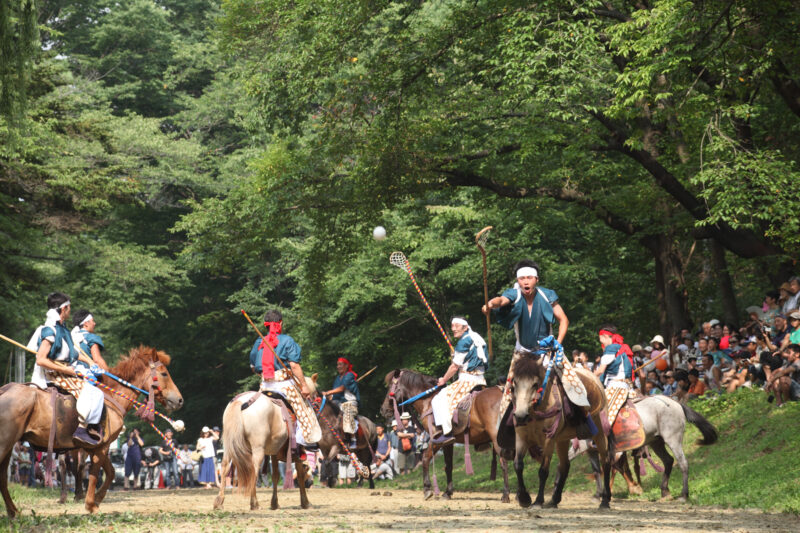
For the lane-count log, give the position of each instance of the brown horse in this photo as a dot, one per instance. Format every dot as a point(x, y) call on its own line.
point(329, 445)
point(74, 462)
point(26, 413)
point(547, 427)
point(405, 383)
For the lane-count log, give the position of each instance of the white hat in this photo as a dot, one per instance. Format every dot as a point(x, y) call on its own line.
point(657, 338)
point(648, 349)
point(683, 348)
point(405, 416)
point(205, 429)
point(394, 422)
point(713, 322)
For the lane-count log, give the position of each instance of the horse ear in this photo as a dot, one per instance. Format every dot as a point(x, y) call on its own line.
point(396, 373)
point(314, 377)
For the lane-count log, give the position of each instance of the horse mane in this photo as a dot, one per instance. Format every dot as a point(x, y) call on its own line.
point(528, 367)
point(411, 379)
point(138, 361)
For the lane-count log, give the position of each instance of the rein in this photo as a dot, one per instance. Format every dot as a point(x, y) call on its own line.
point(362, 469)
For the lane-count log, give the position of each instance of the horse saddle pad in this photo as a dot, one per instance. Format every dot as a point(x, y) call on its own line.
point(628, 429)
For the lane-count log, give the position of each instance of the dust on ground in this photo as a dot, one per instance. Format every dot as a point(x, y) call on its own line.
point(405, 510)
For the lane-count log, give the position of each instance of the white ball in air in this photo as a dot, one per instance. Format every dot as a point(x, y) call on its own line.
point(379, 233)
point(178, 425)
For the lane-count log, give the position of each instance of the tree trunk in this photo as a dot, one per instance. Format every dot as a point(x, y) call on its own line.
point(673, 300)
point(730, 311)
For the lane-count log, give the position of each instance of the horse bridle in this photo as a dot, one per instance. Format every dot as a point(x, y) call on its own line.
point(392, 392)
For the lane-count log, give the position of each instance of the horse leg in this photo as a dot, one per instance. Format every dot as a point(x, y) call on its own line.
point(597, 470)
point(544, 471)
point(605, 447)
point(625, 470)
point(426, 480)
point(108, 468)
point(77, 470)
point(448, 470)
point(63, 468)
point(94, 471)
point(301, 469)
point(504, 466)
point(493, 470)
point(523, 496)
point(562, 449)
point(675, 443)
point(276, 478)
point(667, 460)
point(219, 501)
point(257, 457)
point(11, 509)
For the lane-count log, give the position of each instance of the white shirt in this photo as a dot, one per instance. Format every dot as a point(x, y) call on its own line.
point(206, 446)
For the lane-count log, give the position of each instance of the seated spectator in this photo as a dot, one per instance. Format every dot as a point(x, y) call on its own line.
point(702, 348)
point(737, 376)
point(651, 388)
point(691, 363)
point(383, 468)
point(780, 332)
point(785, 382)
point(762, 363)
point(794, 322)
point(716, 328)
point(696, 386)
point(671, 385)
point(682, 389)
point(789, 295)
point(770, 308)
point(711, 373)
point(721, 360)
point(727, 331)
point(733, 345)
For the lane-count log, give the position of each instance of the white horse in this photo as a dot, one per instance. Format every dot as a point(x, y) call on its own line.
point(664, 421)
point(251, 434)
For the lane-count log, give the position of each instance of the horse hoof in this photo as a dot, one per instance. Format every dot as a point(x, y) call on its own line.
point(305, 505)
point(255, 507)
point(604, 505)
point(550, 505)
point(536, 505)
point(445, 496)
point(428, 495)
point(91, 509)
point(524, 500)
point(635, 490)
point(682, 499)
point(63, 499)
point(505, 499)
point(273, 504)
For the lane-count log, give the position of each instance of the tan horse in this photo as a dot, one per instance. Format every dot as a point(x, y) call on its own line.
point(26, 413)
point(405, 383)
point(547, 427)
point(251, 434)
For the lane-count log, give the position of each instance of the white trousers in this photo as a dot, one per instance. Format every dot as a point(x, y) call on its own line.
point(445, 402)
point(90, 404)
point(306, 428)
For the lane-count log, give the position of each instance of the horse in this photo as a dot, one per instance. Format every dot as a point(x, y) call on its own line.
point(329, 445)
point(250, 434)
point(545, 427)
point(482, 425)
point(26, 413)
point(74, 462)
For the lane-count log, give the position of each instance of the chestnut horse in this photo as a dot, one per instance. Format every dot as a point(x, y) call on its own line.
point(250, 434)
point(405, 383)
point(545, 426)
point(366, 440)
point(26, 413)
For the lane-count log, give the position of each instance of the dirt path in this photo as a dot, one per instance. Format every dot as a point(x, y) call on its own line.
point(403, 510)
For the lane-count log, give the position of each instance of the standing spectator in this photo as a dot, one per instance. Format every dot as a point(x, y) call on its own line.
point(169, 463)
point(347, 472)
point(25, 464)
point(133, 458)
point(205, 445)
point(383, 451)
point(186, 466)
point(407, 434)
point(150, 469)
point(394, 441)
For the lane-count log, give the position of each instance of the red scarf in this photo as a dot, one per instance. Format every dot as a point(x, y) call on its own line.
point(616, 338)
point(349, 366)
point(267, 356)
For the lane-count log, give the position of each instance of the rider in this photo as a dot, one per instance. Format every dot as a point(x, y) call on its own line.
point(615, 369)
point(275, 377)
point(91, 345)
point(470, 360)
point(531, 311)
point(345, 394)
point(57, 363)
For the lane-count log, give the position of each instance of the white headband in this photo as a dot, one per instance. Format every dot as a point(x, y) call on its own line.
point(62, 306)
point(87, 319)
point(527, 271)
point(460, 321)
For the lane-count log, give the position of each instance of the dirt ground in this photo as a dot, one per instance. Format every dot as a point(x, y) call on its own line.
point(404, 510)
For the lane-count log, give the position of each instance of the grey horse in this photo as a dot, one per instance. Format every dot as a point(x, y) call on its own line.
point(664, 421)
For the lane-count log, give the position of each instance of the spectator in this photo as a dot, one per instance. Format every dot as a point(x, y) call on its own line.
point(133, 458)
point(382, 469)
point(721, 360)
point(785, 382)
point(733, 345)
point(762, 363)
point(150, 469)
point(205, 445)
point(394, 441)
point(407, 434)
point(780, 332)
point(347, 472)
point(186, 466)
point(696, 387)
point(705, 330)
point(691, 363)
point(716, 328)
point(771, 308)
point(793, 301)
point(737, 376)
point(787, 298)
point(702, 347)
point(169, 463)
point(671, 386)
point(794, 321)
point(709, 375)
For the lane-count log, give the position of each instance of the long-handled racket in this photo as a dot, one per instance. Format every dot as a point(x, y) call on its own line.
point(480, 242)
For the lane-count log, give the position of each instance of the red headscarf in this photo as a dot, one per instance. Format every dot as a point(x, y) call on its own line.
point(616, 338)
point(349, 365)
point(268, 363)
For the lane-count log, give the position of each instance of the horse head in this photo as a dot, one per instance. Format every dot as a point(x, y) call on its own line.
point(528, 378)
point(392, 381)
point(146, 368)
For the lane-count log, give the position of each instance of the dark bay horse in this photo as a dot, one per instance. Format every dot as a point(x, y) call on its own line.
point(366, 438)
point(26, 413)
point(546, 426)
point(404, 384)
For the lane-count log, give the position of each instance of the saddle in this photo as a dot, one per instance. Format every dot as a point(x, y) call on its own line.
point(463, 409)
point(628, 430)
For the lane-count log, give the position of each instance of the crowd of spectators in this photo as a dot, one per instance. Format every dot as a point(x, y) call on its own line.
point(764, 352)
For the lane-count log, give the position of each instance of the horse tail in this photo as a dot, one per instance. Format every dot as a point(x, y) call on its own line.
point(709, 431)
point(237, 448)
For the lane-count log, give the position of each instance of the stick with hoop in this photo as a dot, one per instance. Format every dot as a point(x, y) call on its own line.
point(480, 242)
point(399, 260)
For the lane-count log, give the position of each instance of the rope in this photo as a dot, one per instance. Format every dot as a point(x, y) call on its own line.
point(362, 470)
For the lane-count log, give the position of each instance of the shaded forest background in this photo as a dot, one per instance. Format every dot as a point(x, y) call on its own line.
point(167, 163)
